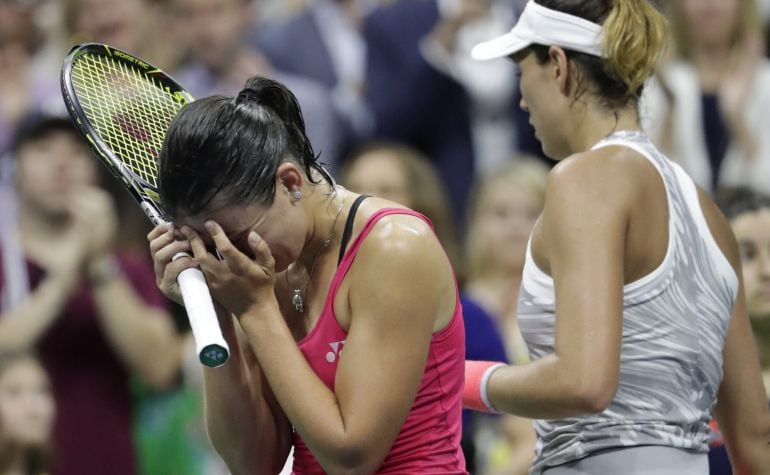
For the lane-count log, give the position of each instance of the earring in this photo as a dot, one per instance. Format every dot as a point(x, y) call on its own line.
point(297, 194)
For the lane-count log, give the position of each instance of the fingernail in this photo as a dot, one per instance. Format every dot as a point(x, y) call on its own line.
point(186, 231)
point(253, 238)
point(210, 226)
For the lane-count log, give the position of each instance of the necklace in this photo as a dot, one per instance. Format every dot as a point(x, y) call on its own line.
point(297, 298)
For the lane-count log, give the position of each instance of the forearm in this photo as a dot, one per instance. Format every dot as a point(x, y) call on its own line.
point(312, 407)
point(544, 389)
point(250, 435)
point(21, 328)
point(142, 336)
point(750, 459)
point(748, 444)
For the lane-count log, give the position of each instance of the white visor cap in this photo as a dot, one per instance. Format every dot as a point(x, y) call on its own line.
point(540, 25)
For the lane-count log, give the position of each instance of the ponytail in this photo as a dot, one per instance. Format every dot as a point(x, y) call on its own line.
point(279, 99)
point(635, 35)
point(634, 38)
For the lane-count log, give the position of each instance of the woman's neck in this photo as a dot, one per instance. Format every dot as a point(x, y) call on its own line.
point(326, 206)
point(710, 63)
point(594, 123)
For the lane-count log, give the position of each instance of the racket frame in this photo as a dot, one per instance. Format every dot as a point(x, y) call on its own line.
point(213, 350)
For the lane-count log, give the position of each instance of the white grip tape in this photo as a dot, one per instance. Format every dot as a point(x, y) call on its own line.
point(210, 345)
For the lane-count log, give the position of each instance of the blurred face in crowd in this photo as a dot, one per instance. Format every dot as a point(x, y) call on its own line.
point(379, 173)
point(17, 23)
point(752, 229)
point(712, 22)
point(51, 169)
point(214, 29)
point(26, 403)
point(505, 216)
point(118, 23)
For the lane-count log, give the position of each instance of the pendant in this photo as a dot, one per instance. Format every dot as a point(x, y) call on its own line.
point(296, 300)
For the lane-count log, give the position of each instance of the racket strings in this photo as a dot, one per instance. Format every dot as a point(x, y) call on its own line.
point(129, 109)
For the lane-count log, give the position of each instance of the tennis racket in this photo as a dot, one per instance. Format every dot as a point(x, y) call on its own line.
point(124, 106)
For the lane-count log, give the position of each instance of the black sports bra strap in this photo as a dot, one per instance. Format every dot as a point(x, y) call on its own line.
point(349, 226)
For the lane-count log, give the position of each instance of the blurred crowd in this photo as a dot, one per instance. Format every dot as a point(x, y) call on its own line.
point(97, 370)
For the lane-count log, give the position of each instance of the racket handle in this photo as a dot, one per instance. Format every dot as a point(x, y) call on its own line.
point(211, 346)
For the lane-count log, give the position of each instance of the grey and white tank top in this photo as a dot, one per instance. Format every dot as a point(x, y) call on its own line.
point(674, 326)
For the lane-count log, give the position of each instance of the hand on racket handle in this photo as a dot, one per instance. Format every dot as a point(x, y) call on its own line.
point(211, 346)
point(123, 107)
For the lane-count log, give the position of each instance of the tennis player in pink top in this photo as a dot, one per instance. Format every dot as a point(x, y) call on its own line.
point(342, 312)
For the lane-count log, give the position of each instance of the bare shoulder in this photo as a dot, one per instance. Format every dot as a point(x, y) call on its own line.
point(398, 242)
point(400, 236)
point(611, 173)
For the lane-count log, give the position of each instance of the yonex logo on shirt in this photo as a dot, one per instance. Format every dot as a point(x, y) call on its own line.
point(336, 346)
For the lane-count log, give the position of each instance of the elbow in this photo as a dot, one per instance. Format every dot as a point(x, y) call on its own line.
point(161, 377)
point(352, 460)
point(750, 450)
point(593, 397)
point(161, 371)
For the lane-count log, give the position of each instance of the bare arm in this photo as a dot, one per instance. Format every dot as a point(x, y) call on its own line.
point(741, 410)
point(245, 425)
point(22, 327)
point(142, 336)
point(351, 429)
point(583, 229)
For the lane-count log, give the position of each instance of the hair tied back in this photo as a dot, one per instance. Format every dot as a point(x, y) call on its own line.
point(247, 94)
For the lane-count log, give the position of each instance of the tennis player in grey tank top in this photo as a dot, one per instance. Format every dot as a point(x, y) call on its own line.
point(631, 301)
point(673, 330)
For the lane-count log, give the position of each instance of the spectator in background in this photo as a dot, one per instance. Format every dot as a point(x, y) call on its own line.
point(136, 26)
point(412, 101)
point(402, 174)
point(324, 43)
point(280, 10)
point(219, 62)
point(502, 212)
point(26, 415)
point(749, 215)
point(93, 313)
point(26, 81)
point(422, 89)
point(710, 106)
point(491, 87)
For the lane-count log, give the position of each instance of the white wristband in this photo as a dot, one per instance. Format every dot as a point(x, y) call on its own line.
point(484, 381)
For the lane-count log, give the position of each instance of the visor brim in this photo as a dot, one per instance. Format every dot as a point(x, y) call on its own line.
point(500, 47)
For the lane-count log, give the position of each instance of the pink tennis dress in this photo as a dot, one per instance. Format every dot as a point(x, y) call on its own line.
point(429, 441)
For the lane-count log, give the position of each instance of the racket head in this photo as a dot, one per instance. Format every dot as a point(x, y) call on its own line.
point(124, 107)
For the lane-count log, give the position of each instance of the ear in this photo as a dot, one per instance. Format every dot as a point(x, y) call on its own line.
point(289, 178)
point(561, 68)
